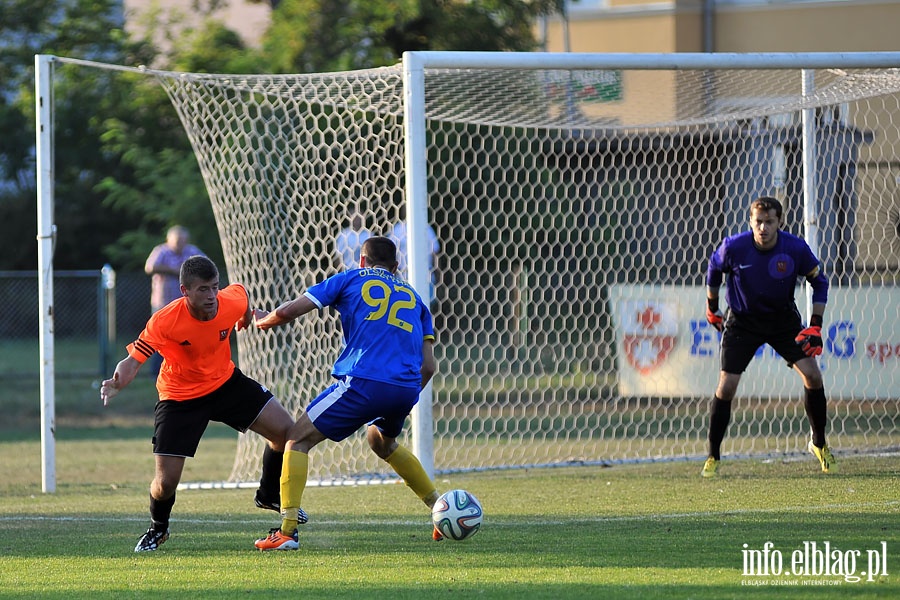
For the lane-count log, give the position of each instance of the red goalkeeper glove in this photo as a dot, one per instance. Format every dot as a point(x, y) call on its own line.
point(714, 316)
point(810, 339)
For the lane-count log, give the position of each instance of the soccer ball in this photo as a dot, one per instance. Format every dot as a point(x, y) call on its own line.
point(457, 515)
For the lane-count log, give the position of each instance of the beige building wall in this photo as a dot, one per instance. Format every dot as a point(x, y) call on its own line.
point(737, 26)
point(809, 27)
point(642, 26)
point(249, 20)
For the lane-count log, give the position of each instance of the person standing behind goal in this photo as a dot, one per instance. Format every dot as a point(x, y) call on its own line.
point(164, 265)
point(348, 242)
point(386, 360)
point(399, 235)
point(199, 383)
point(762, 266)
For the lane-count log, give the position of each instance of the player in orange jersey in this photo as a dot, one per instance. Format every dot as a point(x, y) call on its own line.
point(199, 383)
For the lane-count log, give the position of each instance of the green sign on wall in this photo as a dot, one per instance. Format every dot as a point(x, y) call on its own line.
point(586, 86)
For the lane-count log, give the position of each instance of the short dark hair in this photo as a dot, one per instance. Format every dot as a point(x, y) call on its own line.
point(380, 251)
point(767, 203)
point(197, 268)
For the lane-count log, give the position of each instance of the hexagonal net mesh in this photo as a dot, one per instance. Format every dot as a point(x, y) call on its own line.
point(558, 197)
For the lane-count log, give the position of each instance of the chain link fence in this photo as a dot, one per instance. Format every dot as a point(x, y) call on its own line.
point(96, 312)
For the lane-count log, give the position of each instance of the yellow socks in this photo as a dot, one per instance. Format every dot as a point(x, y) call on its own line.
point(410, 469)
point(294, 471)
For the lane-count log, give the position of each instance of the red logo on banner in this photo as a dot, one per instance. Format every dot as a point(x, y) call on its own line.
point(649, 336)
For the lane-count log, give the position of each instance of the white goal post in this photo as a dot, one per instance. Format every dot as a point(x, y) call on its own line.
point(575, 199)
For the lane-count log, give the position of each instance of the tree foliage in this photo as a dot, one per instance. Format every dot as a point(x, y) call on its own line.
point(309, 36)
point(166, 187)
point(78, 28)
point(124, 169)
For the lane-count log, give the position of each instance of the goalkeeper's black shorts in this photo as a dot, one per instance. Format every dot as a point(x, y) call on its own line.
point(745, 335)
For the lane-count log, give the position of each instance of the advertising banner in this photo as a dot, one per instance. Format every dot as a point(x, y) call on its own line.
point(666, 348)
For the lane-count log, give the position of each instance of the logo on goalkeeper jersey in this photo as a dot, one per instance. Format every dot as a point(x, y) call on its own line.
point(650, 329)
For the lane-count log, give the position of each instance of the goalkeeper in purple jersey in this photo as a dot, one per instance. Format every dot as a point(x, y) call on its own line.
point(762, 267)
point(387, 359)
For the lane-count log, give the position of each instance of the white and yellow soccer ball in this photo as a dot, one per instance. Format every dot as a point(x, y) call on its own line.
point(457, 514)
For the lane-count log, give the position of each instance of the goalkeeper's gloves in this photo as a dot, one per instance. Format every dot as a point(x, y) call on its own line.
point(810, 339)
point(714, 316)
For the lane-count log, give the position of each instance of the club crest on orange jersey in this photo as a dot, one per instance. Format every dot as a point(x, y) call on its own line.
point(223, 334)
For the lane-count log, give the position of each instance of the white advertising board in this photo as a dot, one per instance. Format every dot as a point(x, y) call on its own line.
point(666, 348)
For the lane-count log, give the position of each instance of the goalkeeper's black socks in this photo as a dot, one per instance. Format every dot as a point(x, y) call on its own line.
point(719, 417)
point(269, 481)
point(160, 511)
point(814, 403)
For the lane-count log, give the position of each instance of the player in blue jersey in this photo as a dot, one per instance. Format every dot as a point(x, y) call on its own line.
point(762, 267)
point(387, 359)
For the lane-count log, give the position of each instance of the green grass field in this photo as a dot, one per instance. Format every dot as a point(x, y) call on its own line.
point(636, 531)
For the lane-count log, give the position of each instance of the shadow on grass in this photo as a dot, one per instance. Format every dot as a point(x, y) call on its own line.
point(681, 542)
point(343, 556)
point(494, 591)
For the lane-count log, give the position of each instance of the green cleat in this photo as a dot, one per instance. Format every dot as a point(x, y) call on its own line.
point(710, 468)
point(826, 458)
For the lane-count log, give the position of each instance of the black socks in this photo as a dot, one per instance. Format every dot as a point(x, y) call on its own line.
point(160, 511)
point(719, 417)
point(814, 403)
point(270, 480)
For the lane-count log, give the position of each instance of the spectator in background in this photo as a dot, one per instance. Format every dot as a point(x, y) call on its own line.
point(348, 243)
point(398, 235)
point(164, 265)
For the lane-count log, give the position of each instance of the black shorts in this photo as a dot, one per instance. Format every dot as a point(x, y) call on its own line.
point(744, 334)
point(179, 425)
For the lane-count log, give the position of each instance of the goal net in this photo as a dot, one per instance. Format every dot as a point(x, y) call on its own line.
point(575, 207)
